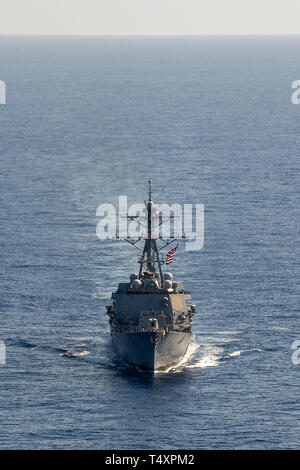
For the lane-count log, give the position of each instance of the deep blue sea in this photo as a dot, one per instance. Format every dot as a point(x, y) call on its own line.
point(210, 120)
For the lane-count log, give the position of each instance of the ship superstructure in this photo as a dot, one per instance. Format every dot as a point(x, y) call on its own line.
point(150, 319)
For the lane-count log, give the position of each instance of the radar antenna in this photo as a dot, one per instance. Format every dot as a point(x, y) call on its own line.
point(150, 258)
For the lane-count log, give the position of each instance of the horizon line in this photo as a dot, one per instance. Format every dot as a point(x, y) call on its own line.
point(149, 35)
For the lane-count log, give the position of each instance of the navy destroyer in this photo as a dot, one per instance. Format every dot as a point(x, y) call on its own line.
point(150, 319)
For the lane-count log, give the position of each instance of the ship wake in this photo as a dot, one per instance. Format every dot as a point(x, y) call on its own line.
point(202, 356)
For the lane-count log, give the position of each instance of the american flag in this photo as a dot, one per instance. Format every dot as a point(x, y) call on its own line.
point(170, 255)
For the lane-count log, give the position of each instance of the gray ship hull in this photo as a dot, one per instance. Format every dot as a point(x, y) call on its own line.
point(151, 350)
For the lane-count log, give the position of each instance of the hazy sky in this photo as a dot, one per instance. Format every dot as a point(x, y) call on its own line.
point(149, 17)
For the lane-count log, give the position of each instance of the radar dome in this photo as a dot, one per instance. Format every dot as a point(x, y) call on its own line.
point(136, 284)
point(168, 276)
point(133, 277)
point(168, 284)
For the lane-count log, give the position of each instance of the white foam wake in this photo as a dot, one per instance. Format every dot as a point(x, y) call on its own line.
point(75, 354)
point(210, 357)
point(242, 351)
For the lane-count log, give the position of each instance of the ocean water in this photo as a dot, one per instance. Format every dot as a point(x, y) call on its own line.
point(210, 120)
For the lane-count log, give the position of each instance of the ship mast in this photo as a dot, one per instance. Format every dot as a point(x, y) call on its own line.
point(150, 254)
point(150, 258)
